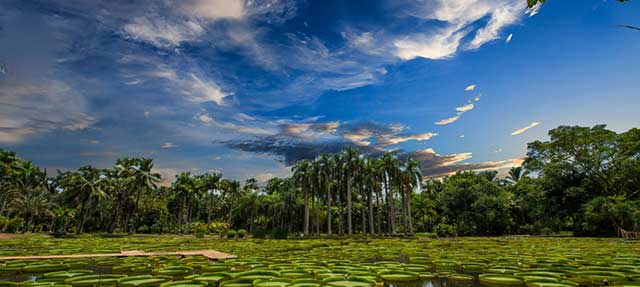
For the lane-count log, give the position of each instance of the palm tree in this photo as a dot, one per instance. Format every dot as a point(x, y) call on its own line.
point(210, 183)
point(247, 207)
point(31, 207)
point(391, 166)
point(83, 186)
point(301, 174)
point(412, 178)
point(516, 174)
point(351, 163)
point(327, 166)
point(143, 180)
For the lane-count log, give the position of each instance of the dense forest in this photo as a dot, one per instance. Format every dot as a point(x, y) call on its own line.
point(583, 179)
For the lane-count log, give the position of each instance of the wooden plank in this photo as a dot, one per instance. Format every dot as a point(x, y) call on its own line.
point(209, 254)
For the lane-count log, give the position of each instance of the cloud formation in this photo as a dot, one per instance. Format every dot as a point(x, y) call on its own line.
point(524, 129)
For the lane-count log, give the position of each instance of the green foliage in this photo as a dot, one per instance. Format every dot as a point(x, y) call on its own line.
point(579, 164)
point(445, 230)
point(231, 234)
point(280, 233)
point(583, 179)
point(13, 225)
point(475, 204)
point(242, 233)
point(604, 214)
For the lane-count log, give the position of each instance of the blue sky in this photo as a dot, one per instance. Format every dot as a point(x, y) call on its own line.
point(249, 87)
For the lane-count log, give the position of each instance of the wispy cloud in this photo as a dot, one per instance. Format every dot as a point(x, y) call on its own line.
point(470, 88)
point(524, 129)
point(448, 120)
point(465, 108)
point(460, 111)
point(168, 145)
point(159, 32)
point(392, 140)
point(509, 38)
point(204, 118)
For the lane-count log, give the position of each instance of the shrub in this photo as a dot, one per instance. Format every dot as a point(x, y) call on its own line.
point(219, 228)
point(13, 225)
point(242, 233)
point(143, 229)
point(444, 230)
point(280, 233)
point(231, 234)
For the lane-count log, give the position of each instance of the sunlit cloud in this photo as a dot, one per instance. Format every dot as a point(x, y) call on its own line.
point(465, 108)
point(524, 129)
point(470, 88)
point(448, 120)
point(509, 38)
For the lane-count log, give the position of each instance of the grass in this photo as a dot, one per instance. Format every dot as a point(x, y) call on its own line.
point(488, 261)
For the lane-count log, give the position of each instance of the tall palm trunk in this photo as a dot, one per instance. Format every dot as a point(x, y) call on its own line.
point(364, 218)
point(349, 223)
point(340, 212)
point(306, 212)
point(83, 215)
point(409, 212)
point(379, 213)
point(209, 204)
point(392, 210)
point(135, 210)
point(329, 217)
point(369, 195)
point(403, 210)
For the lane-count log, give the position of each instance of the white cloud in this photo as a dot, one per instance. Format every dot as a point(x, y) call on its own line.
point(162, 33)
point(27, 109)
point(465, 108)
point(359, 137)
point(448, 120)
point(214, 9)
point(168, 145)
point(204, 118)
point(461, 136)
point(470, 88)
point(437, 46)
point(500, 18)
point(200, 91)
point(392, 140)
point(461, 18)
point(216, 157)
point(524, 129)
point(243, 117)
point(509, 38)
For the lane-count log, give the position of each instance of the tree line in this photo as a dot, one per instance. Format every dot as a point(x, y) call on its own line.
point(583, 179)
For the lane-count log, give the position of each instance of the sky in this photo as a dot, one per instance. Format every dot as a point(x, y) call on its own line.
point(249, 87)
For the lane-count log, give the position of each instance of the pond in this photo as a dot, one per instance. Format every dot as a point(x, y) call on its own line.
point(510, 261)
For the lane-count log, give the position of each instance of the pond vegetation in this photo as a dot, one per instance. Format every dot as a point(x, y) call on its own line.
point(471, 261)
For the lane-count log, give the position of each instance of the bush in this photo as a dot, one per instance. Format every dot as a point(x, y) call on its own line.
point(242, 233)
point(143, 229)
point(259, 232)
point(231, 234)
point(13, 225)
point(280, 233)
point(445, 230)
point(219, 228)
